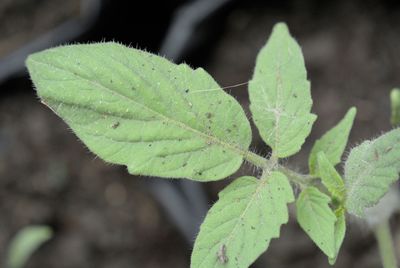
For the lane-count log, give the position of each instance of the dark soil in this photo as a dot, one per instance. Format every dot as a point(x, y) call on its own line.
point(104, 217)
point(22, 21)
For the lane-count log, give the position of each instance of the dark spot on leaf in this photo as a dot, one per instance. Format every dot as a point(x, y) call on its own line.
point(186, 90)
point(252, 227)
point(184, 165)
point(179, 139)
point(208, 115)
point(219, 102)
point(133, 88)
point(111, 81)
point(152, 69)
point(115, 125)
point(229, 130)
point(150, 144)
point(294, 95)
point(221, 254)
point(199, 173)
point(234, 126)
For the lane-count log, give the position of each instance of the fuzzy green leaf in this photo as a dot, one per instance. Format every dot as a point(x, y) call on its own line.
point(317, 219)
point(369, 171)
point(137, 109)
point(339, 233)
point(330, 177)
point(240, 225)
point(395, 104)
point(25, 243)
point(280, 94)
point(333, 142)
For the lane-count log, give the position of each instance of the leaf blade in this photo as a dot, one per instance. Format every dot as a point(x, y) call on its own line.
point(339, 232)
point(369, 171)
point(137, 109)
point(247, 216)
point(317, 219)
point(333, 142)
point(281, 104)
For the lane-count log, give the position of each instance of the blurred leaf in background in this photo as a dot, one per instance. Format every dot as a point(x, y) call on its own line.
point(25, 243)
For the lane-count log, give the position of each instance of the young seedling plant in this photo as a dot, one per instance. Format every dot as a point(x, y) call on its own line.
point(133, 108)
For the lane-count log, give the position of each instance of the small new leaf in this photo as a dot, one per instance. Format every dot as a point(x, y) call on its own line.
point(330, 177)
point(317, 219)
point(280, 99)
point(241, 224)
point(395, 104)
point(333, 142)
point(137, 109)
point(369, 171)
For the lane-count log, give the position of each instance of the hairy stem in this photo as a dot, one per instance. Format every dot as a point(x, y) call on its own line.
point(256, 160)
point(385, 243)
point(272, 164)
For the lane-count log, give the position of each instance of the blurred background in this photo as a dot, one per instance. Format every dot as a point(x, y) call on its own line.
point(104, 217)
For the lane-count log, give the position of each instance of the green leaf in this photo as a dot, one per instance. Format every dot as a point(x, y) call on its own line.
point(280, 94)
point(369, 171)
point(340, 231)
point(240, 226)
point(25, 243)
point(137, 109)
point(395, 104)
point(330, 177)
point(317, 219)
point(333, 142)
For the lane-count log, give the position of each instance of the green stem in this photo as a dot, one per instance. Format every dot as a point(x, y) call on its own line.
point(300, 179)
point(272, 164)
point(256, 160)
point(385, 243)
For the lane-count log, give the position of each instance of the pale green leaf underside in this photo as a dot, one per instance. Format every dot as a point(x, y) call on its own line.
point(333, 142)
point(317, 219)
point(239, 227)
point(369, 171)
point(280, 99)
point(330, 177)
point(137, 109)
point(340, 231)
point(25, 243)
point(395, 105)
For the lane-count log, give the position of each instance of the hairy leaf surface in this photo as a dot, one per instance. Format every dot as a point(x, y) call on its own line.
point(370, 169)
point(333, 142)
point(330, 177)
point(240, 225)
point(140, 110)
point(317, 219)
point(280, 94)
